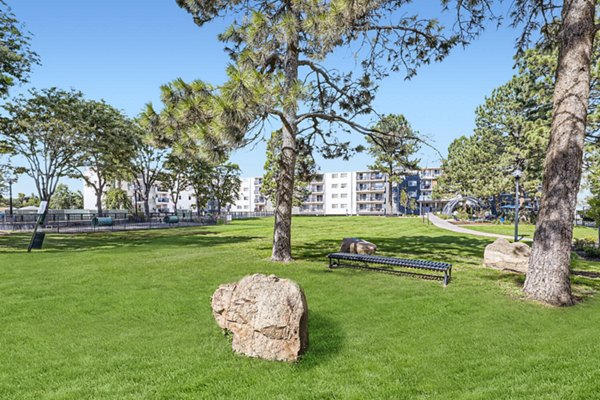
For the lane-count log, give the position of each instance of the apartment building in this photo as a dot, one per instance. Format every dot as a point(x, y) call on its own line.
point(250, 198)
point(332, 193)
point(315, 201)
point(428, 178)
point(339, 193)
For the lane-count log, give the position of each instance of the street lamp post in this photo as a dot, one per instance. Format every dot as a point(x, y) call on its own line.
point(10, 203)
point(517, 175)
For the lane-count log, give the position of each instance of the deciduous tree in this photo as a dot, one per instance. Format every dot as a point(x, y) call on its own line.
point(174, 176)
point(117, 199)
point(146, 168)
point(16, 56)
point(43, 130)
point(224, 184)
point(107, 141)
point(66, 199)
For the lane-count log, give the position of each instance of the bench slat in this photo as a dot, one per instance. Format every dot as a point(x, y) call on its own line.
point(402, 262)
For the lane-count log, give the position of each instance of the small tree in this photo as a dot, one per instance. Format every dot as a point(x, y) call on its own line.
point(146, 167)
point(225, 184)
point(594, 212)
point(408, 202)
point(393, 147)
point(174, 176)
point(65, 199)
point(199, 174)
point(117, 199)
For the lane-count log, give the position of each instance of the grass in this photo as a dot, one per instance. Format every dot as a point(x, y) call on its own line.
point(127, 316)
point(527, 230)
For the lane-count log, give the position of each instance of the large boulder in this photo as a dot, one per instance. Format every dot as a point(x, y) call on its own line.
point(507, 256)
point(267, 316)
point(357, 246)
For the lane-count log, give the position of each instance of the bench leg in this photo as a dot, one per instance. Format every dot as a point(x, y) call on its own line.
point(446, 278)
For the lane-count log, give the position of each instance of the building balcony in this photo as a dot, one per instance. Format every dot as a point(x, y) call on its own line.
point(370, 199)
point(370, 188)
point(370, 210)
point(370, 177)
point(313, 201)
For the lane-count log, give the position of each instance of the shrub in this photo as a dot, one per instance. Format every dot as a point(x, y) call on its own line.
point(582, 244)
point(592, 251)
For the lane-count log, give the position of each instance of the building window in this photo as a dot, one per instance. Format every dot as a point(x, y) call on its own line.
point(239, 207)
point(344, 175)
point(245, 207)
point(334, 195)
point(334, 186)
point(245, 198)
point(412, 183)
point(343, 205)
point(245, 189)
point(334, 206)
point(334, 176)
point(344, 185)
point(344, 195)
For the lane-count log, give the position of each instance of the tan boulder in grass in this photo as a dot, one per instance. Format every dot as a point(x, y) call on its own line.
point(507, 256)
point(357, 246)
point(267, 316)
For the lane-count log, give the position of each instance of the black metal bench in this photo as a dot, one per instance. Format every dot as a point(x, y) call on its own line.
point(362, 261)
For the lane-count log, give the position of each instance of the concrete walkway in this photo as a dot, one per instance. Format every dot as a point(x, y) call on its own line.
point(443, 224)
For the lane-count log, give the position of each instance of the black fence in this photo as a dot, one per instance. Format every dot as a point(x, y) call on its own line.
point(83, 222)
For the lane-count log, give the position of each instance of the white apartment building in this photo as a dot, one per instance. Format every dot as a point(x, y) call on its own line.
point(250, 198)
point(160, 198)
point(331, 193)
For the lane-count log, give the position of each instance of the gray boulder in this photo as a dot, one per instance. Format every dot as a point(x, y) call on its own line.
point(267, 316)
point(507, 256)
point(357, 246)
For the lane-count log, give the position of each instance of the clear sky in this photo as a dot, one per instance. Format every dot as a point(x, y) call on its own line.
point(123, 50)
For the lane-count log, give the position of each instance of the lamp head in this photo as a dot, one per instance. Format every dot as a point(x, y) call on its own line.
point(517, 173)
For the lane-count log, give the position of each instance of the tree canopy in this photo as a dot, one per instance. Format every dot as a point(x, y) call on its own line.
point(43, 129)
point(16, 56)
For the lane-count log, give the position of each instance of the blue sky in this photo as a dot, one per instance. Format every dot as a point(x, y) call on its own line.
point(122, 51)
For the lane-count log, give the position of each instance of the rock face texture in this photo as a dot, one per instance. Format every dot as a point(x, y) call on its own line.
point(507, 256)
point(357, 246)
point(267, 316)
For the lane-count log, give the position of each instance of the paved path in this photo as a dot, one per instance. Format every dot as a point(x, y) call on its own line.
point(443, 224)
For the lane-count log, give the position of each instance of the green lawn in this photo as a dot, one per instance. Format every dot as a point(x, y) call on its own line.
point(527, 230)
point(127, 316)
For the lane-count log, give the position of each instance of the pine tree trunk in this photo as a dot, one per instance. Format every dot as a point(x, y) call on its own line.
point(390, 199)
point(282, 232)
point(548, 274)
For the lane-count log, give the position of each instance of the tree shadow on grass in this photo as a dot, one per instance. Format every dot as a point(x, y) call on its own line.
point(95, 241)
point(325, 339)
point(453, 249)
